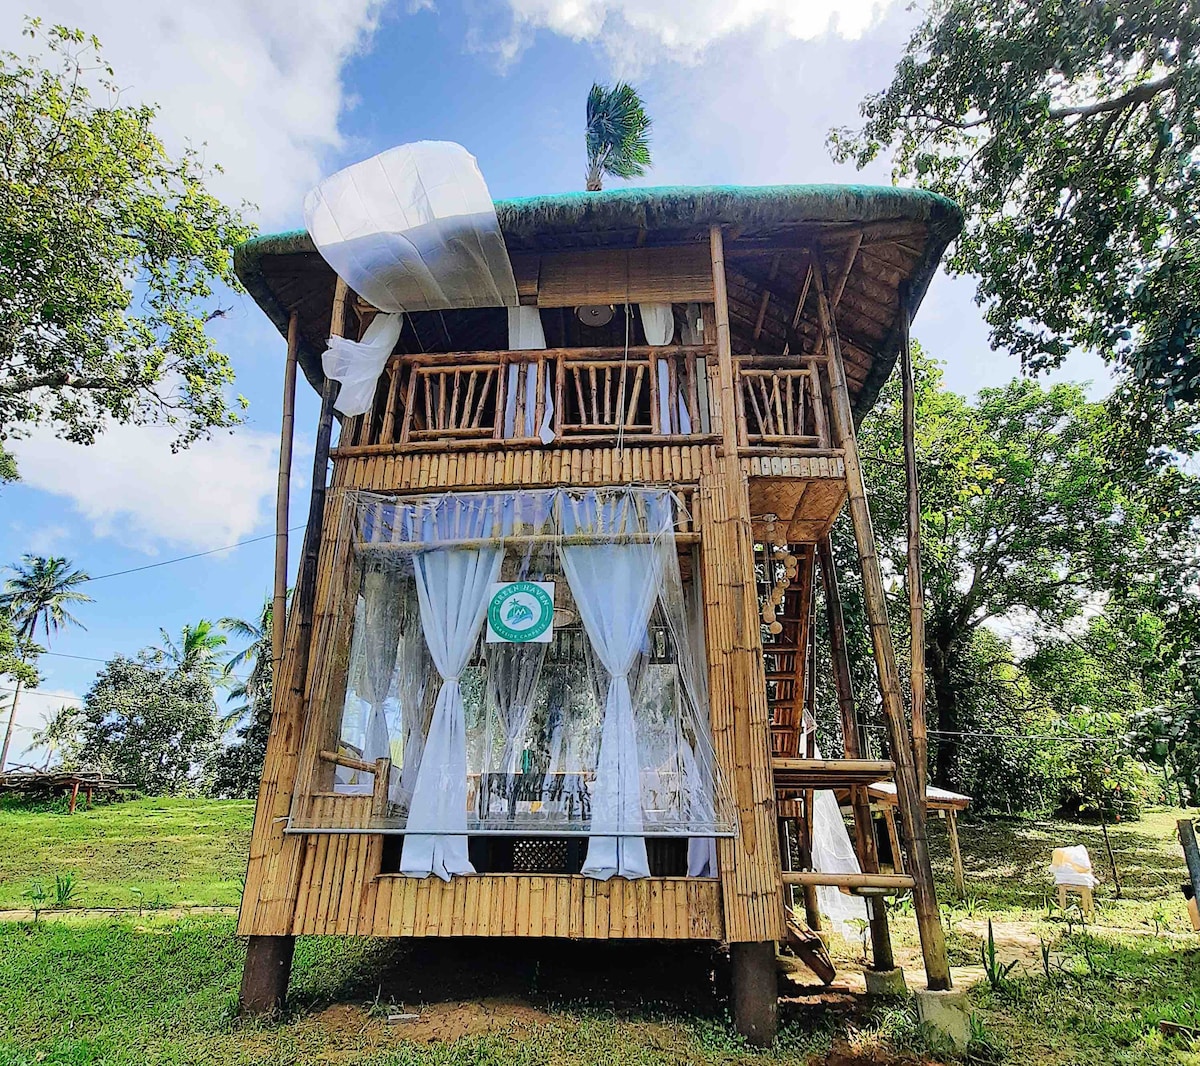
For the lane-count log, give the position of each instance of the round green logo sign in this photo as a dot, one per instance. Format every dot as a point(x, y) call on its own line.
point(520, 611)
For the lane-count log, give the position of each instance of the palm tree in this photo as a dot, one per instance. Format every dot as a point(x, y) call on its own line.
point(39, 596)
point(197, 652)
point(618, 134)
point(255, 690)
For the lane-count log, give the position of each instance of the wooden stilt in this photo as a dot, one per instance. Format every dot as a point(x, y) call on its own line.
point(755, 991)
point(282, 494)
point(266, 973)
point(960, 882)
point(275, 859)
point(912, 813)
point(913, 578)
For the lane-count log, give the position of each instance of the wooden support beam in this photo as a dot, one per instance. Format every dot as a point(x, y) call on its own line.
point(283, 490)
point(273, 872)
point(899, 882)
point(913, 577)
point(960, 881)
point(839, 286)
point(912, 807)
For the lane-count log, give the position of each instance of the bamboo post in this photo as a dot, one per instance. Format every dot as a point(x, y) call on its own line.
point(751, 883)
point(909, 800)
point(269, 957)
point(282, 492)
point(307, 583)
point(866, 846)
point(960, 881)
point(1191, 852)
point(913, 578)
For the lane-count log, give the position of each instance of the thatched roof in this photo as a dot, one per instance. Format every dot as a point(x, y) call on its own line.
point(904, 233)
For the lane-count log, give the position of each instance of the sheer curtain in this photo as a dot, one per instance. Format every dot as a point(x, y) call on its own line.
point(379, 641)
point(658, 323)
point(615, 588)
point(513, 671)
point(833, 853)
point(452, 590)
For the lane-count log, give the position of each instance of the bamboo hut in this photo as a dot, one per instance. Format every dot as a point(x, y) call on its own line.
point(652, 479)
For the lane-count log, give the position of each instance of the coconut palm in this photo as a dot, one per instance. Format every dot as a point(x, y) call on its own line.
point(254, 691)
point(197, 651)
point(38, 596)
point(618, 134)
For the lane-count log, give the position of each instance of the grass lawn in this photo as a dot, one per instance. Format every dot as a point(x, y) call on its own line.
point(160, 989)
point(153, 852)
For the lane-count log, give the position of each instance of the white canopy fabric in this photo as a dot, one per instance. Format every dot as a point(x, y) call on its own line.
point(410, 229)
point(413, 229)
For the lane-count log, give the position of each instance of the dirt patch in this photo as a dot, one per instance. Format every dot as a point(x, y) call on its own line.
point(843, 1054)
point(435, 1022)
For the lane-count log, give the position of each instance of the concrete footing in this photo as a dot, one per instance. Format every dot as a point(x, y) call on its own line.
point(886, 982)
point(946, 1011)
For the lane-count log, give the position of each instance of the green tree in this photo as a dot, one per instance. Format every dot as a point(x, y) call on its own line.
point(1026, 518)
point(152, 728)
point(1070, 135)
point(237, 767)
point(38, 596)
point(618, 134)
point(109, 252)
point(197, 651)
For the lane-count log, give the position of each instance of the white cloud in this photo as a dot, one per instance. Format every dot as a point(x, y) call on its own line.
point(259, 82)
point(131, 487)
point(634, 33)
point(34, 710)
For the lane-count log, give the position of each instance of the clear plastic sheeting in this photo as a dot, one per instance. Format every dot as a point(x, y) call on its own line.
point(602, 732)
point(413, 229)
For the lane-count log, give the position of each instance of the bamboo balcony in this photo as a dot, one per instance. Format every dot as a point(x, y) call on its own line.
point(585, 396)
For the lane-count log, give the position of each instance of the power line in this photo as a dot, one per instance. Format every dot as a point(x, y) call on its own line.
point(40, 692)
point(185, 558)
point(95, 659)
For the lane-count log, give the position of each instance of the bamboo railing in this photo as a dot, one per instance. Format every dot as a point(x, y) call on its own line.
point(581, 396)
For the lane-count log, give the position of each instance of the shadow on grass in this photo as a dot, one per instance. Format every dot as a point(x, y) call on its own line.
point(630, 980)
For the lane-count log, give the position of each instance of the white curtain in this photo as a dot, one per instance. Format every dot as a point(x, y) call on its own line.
point(512, 678)
point(358, 364)
point(658, 322)
point(833, 853)
point(525, 333)
point(615, 586)
point(452, 589)
point(378, 634)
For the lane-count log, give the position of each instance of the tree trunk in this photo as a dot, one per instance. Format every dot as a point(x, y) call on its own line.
point(945, 698)
point(12, 721)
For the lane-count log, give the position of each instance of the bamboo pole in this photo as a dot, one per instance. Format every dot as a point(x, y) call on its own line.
point(912, 810)
point(866, 846)
point(306, 585)
point(913, 578)
point(282, 493)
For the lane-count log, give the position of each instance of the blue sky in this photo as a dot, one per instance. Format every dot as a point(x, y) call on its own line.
point(742, 91)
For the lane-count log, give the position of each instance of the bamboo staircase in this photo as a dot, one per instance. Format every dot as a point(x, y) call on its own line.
point(787, 602)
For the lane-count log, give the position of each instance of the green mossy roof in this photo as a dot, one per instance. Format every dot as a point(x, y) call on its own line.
point(673, 208)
